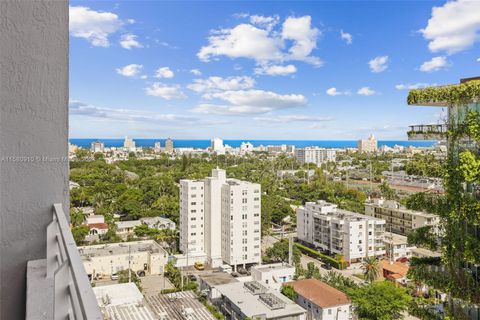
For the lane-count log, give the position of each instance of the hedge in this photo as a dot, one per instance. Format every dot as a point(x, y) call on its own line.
point(457, 94)
point(324, 258)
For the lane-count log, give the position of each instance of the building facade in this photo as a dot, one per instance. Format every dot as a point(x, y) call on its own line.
point(273, 275)
point(169, 145)
point(399, 219)
point(368, 145)
point(216, 145)
point(335, 231)
point(129, 144)
point(315, 155)
point(97, 146)
point(106, 259)
point(221, 217)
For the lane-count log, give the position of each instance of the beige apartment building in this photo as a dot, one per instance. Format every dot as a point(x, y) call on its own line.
point(400, 220)
point(368, 145)
point(106, 259)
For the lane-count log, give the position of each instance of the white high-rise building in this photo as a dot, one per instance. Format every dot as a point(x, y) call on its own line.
point(192, 230)
point(158, 146)
point(129, 144)
point(97, 146)
point(217, 146)
point(337, 231)
point(315, 155)
point(213, 216)
point(221, 217)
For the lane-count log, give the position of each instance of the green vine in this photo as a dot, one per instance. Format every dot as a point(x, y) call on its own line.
point(458, 94)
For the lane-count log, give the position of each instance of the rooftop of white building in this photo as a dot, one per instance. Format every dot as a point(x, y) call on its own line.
point(120, 248)
point(334, 212)
point(255, 299)
point(272, 267)
point(394, 205)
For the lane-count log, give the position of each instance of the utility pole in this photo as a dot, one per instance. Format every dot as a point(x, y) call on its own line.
point(290, 251)
point(129, 263)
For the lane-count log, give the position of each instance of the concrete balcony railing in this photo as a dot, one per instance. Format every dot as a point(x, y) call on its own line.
point(428, 132)
point(58, 287)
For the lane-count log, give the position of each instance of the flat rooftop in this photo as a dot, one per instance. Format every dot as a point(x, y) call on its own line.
point(217, 278)
point(396, 239)
point(123, 302)
point(178, 306)
point(399, 208)
point(257, 303)
point(120, 248)
point(273, 266)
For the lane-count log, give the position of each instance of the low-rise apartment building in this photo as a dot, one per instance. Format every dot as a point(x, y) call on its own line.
point(322, 301)
point(106, 259)
point(336, 231)
point(397, 246)
point(240, 300)
point(273, 275)
point(399, 219)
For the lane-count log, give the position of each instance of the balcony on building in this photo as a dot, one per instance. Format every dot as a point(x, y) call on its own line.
point(427, 132)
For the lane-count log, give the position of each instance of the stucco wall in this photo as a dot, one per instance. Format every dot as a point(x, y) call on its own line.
point(33, 125)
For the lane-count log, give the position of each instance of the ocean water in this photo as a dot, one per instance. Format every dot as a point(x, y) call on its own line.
point(85, 143)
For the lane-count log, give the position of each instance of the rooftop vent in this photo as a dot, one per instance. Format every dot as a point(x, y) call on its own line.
point(255, 287)
point(272, 301)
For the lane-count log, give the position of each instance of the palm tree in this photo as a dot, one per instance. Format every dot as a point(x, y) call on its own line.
point(371, 269)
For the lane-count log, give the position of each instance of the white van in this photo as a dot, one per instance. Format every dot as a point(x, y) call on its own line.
point(226, 268)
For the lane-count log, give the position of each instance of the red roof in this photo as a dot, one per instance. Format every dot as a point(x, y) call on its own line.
point(98, 226)
point(319, 293)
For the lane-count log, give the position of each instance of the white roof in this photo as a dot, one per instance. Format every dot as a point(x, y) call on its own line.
point(251, 305)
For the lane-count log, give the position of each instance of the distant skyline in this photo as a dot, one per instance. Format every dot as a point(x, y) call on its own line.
point(251, 70)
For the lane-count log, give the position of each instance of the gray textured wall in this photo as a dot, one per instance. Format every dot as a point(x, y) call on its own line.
point(33, 124)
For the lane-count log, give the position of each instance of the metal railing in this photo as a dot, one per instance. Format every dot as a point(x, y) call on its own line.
point(432, 131)
point(73, 294)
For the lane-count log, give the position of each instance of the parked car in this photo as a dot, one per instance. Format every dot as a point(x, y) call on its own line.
point(199, 266)
point(141, 273)
point(114, 276)
point(192, 277)
point(242, 270)
point(327, 266)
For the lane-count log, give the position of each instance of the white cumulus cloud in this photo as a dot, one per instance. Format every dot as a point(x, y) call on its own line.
point(129, 41)
point(131, 70)
point(435, 64)
point(196, 72)
point(453, 27)
point(167, 92)
point(93, 26)
point(347, 37)
point(276, 70)
point(408, 86)
point(164, 72)
point(293, 118)
point(256, 40)
point(334, 92)
point(378, 64)
point(212, 84)
point(366, 91)
point(266, 22)
point(245, 102)
point(78, 108)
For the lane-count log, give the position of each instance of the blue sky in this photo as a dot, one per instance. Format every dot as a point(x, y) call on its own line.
point(263, 70)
